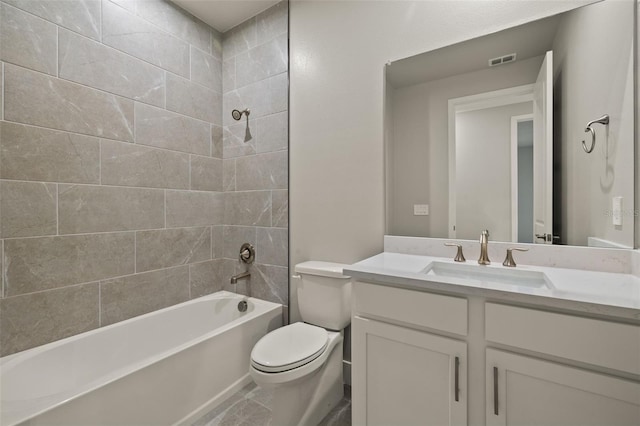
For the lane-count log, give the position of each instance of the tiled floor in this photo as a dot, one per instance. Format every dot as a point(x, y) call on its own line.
point(251, 406)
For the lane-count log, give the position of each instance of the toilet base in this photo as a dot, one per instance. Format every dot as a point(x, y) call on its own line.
point(306, 401)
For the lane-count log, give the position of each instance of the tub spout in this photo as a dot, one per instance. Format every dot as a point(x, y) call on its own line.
point(242, 276)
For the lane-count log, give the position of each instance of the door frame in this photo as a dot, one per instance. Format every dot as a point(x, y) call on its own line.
point(492, 99)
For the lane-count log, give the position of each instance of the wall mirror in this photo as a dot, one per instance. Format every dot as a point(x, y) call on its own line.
point(492, 133)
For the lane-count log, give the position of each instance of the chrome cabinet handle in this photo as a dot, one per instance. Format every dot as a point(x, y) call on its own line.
point(495, 390)
point(457, 379)
point(459, 255)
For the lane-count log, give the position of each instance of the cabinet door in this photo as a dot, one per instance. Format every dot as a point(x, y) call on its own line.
point(406, 377)
point(528, 391)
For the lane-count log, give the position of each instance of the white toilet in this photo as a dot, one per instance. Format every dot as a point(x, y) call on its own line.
point(302, 362)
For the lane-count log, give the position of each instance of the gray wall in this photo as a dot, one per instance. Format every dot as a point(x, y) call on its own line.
point(420, 170)
point(256, 172)
point(112, 199)
point(525, 194)
point(483, 171)
point(597, 79)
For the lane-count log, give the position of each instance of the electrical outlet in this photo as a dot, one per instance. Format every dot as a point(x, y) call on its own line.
point(616, 210)
point(421, 209)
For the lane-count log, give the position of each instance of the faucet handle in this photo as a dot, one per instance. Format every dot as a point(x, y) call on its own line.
point(459, 255)
point(508, 260)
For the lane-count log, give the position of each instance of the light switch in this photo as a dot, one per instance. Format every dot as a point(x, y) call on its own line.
point(421, 209)
point(616, 210)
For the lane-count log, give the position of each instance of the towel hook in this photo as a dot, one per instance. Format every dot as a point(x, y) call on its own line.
point(604, 120)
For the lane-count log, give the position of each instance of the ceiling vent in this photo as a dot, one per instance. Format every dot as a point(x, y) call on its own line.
point(511, 57)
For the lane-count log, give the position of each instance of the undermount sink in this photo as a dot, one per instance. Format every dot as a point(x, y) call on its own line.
point(489, 274)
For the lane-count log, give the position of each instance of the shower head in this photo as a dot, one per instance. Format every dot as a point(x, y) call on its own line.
point(237, 115)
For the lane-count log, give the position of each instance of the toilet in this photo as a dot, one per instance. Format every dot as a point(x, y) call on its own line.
point(302, 362)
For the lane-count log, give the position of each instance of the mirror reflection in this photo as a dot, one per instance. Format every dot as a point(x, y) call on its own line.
point(492, 133)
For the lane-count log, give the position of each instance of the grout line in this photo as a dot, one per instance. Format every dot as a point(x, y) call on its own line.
point(99, 161)
point(199, 191)
point(165, 209)
point(57, 209)
point(57, 51)
point(135, 252)
point(3, 90)
point(99, 303)
point(85, 234)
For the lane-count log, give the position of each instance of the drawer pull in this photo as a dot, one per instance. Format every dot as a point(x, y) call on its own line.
point(457, 379)
point(495, 390)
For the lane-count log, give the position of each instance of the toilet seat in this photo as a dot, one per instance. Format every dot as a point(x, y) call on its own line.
point(289, 347)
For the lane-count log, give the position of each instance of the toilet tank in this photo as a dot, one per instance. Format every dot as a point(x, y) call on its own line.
point(324, 294)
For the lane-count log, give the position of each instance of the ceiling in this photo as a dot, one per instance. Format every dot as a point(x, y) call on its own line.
point(225, 14)
point(527, 41)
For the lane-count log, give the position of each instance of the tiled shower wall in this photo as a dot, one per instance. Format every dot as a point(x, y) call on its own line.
point(254, 76)
point(111, 173)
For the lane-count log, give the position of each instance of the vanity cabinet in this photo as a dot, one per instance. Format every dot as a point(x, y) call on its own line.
point(408, 377)
point(522, 390)
point(402, 374)
point(515, 365)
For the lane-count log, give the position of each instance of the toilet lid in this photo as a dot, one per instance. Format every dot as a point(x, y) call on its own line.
point(289, 347)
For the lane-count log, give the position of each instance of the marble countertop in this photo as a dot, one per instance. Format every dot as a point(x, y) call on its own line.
point(600, 293)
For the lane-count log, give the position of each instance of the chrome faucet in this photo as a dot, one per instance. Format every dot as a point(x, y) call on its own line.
point(242, 276)
point(484, 246)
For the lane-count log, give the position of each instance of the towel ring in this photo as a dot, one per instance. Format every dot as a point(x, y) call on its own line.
point(593, 141)
point(604, 120)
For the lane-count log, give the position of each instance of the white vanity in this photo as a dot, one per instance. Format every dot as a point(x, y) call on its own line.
point(440, 342)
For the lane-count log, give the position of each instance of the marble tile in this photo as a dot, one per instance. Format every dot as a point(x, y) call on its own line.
point(217, 241)
point(273, 21)
point(216, 44)
point(137, 37)
point(127, 297)
point(171, 247)
point(165, 129)
point(176, 21)
point(34, 319)
point(233, 238)
point(87, 208)
point(206, 277)
point(217, 144)
point(235, 141)
point(270, 283)
point(90, 63)
point(229, 174)
point(36, 264)
point(264, 97)
point(130, 5)
point(27, 41)
point(206, 70)
point(272, 246)
point(280, 208)
point(135, 165)
point(206, 173)
point(81, 16)
point(262, 171)
point(27, 209)
point(250, 208)
point(263, 61)
point(191, 208)
point(229, 75)
point(34, 98)
point(193, 100)
point(340, 415)
point(33, 153)
point(239, 39)
point(273, 132)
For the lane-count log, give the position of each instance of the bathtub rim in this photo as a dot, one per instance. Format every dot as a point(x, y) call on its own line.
point(18, 357)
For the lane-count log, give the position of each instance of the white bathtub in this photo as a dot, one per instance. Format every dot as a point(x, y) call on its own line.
point(166, 367)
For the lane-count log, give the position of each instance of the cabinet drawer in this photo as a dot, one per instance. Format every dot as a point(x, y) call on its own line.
point(430, 310)
point(607, 344)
